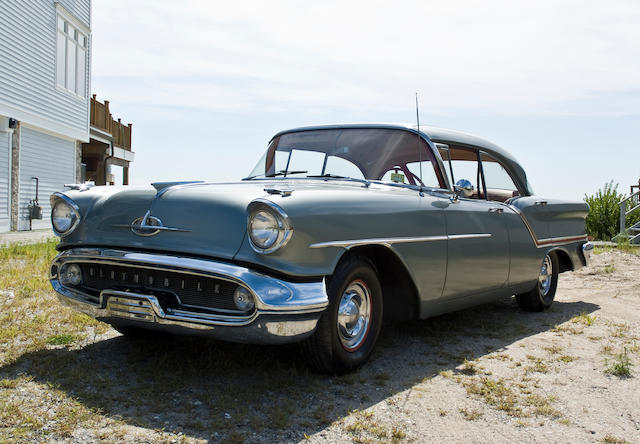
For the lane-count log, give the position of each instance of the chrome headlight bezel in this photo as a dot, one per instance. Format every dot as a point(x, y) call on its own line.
point(61, 199)
point(282, 225)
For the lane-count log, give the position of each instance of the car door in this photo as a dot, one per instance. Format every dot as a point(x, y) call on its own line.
point(478, 239)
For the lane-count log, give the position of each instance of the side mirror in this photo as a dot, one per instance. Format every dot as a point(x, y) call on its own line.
point(463, 188)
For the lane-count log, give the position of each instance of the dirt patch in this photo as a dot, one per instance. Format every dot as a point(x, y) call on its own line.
point(489, 374)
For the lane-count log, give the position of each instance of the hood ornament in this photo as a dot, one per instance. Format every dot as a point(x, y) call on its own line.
point(148, 225)
point(81, 186)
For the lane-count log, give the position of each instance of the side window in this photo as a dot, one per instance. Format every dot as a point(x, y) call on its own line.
point(429, 177)
point(410, 173)
point(500, 186)
point(465, 166)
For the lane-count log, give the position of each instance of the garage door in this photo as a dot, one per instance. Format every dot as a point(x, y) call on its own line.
point(4, 181)
point(52, 161)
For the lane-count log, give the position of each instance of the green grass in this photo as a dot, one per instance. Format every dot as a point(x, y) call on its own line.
point(537, 365)
point(620, 365)
point(62, 339)
point(612, 439)
point(584, 319)
point(32, 318)
point(496, 393)
point(623, 247)
point(470, 415)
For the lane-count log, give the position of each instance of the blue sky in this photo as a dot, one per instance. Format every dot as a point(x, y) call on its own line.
point(206, 84)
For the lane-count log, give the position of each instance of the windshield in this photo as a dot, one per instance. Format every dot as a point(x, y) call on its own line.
point(386, 155)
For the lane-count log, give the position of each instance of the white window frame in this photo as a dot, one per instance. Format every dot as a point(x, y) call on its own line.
point(73, 25)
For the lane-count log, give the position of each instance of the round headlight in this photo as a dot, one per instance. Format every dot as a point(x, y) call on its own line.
point(263, 229)
point(63, 216)
point(268, 226)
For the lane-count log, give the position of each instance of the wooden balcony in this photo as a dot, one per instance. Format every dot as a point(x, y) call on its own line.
point(101, 118)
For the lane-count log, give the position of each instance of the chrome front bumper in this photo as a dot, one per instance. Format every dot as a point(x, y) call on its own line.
point(284, 311)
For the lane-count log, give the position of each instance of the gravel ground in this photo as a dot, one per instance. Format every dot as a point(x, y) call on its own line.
point(488, 374)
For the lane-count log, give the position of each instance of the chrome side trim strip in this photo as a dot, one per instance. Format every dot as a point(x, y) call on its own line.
point(396, 240)
point(552, 241)
point(548, 242)
point(468, 236)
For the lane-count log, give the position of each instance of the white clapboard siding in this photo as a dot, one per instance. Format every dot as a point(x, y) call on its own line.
point(28, 39)
point(52, 160)
point(81, 9)
point(4, 181)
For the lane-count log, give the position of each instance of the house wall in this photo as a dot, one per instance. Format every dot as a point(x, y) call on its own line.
point(28, 90)
point(53, 161)
point(5, 151)
point(81, 9)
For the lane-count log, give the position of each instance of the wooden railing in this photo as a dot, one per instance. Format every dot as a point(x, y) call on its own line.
point(101, 118)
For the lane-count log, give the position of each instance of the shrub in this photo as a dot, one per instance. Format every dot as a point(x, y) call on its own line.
point(603, 220)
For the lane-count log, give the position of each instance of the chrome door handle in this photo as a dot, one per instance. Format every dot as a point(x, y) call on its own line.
point(496, 210)
point(541, 202)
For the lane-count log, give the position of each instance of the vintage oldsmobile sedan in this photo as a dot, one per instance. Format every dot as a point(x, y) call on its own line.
point(337, 229)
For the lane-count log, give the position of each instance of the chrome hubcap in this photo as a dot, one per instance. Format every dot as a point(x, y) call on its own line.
point(546, 275)
point(354, 312)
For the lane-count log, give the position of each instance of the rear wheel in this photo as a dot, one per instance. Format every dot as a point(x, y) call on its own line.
point(541, 297)
point(348, 330)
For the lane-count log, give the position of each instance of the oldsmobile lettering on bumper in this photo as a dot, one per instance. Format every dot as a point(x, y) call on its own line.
point(176, 293)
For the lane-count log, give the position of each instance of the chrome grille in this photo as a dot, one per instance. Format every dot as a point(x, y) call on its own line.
point(173, 289)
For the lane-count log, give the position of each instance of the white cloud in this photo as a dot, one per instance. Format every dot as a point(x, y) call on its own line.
point(541, 57)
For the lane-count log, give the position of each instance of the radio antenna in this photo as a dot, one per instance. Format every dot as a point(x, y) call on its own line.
point(418, 139)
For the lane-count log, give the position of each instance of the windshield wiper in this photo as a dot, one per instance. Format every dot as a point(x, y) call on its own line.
point(285, 172)
point(278, 173)
point(336, 176)
point(330, 176)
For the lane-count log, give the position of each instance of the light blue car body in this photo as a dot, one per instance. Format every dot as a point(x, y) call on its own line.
point(434, 252)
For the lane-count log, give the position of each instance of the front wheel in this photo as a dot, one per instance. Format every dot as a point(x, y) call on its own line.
point(348, 330)
point(541, 297)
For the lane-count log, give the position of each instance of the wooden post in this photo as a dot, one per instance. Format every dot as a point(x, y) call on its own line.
point(120, 132)
point(93, 109)
point(125, 175)
point(107, 116)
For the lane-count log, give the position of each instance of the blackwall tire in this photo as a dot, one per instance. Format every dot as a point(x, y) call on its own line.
point(542, 295)
point(348, 330)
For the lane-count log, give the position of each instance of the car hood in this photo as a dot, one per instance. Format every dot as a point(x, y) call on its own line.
point(210, 218)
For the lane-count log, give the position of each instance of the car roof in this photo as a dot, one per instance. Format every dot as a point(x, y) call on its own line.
point(437, 135)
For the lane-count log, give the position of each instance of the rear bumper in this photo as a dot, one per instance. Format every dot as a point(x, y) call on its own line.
point(587, 249)
point(284, 311)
